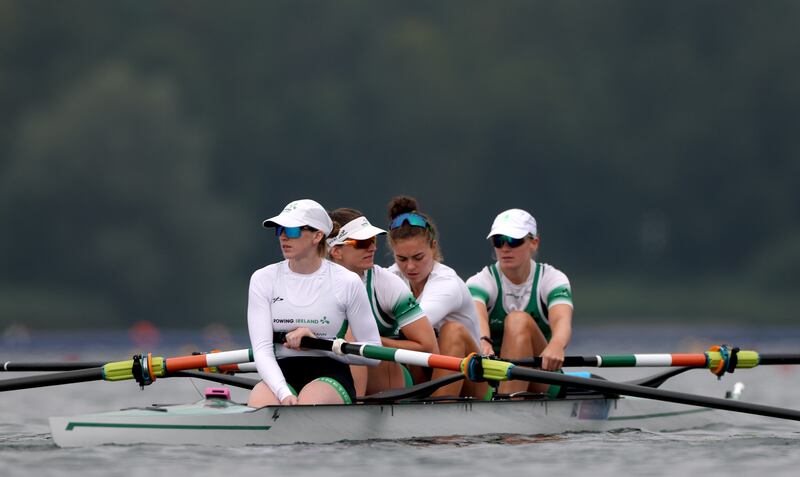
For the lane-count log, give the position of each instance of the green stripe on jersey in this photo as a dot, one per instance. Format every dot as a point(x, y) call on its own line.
point(479, 293)
point(405, 305)
point(561, 294)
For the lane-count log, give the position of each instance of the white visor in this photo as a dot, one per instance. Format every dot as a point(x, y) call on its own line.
point(357, 229)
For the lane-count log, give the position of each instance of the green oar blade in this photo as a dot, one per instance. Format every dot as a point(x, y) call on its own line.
point(528, 374)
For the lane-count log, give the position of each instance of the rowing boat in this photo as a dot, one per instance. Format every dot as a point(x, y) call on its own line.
point(219, 421)
point(585, 403)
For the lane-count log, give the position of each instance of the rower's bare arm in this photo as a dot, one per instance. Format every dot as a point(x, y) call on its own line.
point(561, 326)
point(419, 337)
point(483, 321)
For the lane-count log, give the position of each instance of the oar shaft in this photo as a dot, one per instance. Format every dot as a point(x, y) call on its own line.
point(404, 356)
point(546, 377)
point(779, 359)
point(51, 366)
point(38, 381)
point(710, 359)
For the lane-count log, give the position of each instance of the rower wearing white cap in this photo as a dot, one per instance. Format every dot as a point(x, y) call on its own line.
point(440, 291)
point(305, 295)
point(401, 322)
point(525, 307)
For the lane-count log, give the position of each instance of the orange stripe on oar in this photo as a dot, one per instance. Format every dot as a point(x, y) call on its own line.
point(186, 362)
point(228, 368)
point(445, 362)
point(698, 360)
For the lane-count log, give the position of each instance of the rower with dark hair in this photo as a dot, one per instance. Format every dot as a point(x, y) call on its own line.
point(401, 322)
point(444, 297)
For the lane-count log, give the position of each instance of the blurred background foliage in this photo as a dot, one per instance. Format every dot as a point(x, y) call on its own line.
point(142, 143)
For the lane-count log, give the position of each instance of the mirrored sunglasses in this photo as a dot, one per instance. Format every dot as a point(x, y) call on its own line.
point(499, 240)
point(414, 220)
point(360, 244)
point(292, 232)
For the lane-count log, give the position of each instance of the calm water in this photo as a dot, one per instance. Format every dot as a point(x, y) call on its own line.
point(746, 446)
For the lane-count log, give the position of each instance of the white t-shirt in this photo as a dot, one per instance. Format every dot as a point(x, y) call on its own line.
point(393, 304)
point(554, 288)
point(325, 301)
point(446, 298)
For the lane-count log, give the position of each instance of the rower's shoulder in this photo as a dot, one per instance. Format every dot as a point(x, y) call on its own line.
point(553, 273)
point(484, 272)
point(268, 271)
point(341, 274)
point(441, 273)
point(386, 275)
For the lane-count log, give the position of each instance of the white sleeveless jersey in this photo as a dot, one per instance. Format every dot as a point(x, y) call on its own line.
point(325, 301)
point(553, 288)
point(446, 298)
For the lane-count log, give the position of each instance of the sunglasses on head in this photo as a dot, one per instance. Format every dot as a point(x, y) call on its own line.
point(414, 220)
point(292, 232)
point(360, 244)
point(499, 240)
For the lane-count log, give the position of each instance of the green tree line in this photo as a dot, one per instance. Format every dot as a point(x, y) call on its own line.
point(142, 142)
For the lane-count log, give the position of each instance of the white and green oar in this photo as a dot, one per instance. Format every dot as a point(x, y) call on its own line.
point(719, 359)
point(478, 368)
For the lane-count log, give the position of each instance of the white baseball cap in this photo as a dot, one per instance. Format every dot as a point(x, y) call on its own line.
point(358, 229)
point(515, 223)
point(302, 212)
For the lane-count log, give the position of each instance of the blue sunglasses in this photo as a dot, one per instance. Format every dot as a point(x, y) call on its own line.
point(292, 232)
point(414, 220)
point(499, 240)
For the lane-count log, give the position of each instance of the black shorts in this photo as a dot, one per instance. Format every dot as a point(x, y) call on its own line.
point(301, 370)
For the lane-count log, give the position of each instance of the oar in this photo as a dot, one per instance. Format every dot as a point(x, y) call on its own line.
point(50, 366)
point(42, 366)
point(144, 369)
point(709, 359)
point(477, 368)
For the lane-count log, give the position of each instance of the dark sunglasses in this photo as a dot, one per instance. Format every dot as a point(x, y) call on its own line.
point(360, 244)
point(292, 232)
point(499, 240)
point(414, 220)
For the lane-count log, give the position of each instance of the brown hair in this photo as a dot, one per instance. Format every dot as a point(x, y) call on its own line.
point(401, 205)
point(322, 247)
point(340, 217)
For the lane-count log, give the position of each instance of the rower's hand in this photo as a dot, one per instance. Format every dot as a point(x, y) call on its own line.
point(552, 357)
point(293, 337)
point(289, 400)
point(486, 349)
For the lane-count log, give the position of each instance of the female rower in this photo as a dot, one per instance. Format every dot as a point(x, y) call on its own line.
point(305, 295)
point(533, 317)
point(401, 322)
point(442, 294)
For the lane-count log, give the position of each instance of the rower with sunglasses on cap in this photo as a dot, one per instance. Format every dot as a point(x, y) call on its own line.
point(525, 306)
point(305, 295)
point(401, 322)
point(444, 297)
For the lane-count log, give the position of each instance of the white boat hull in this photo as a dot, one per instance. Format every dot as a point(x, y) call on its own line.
point(219, 422)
